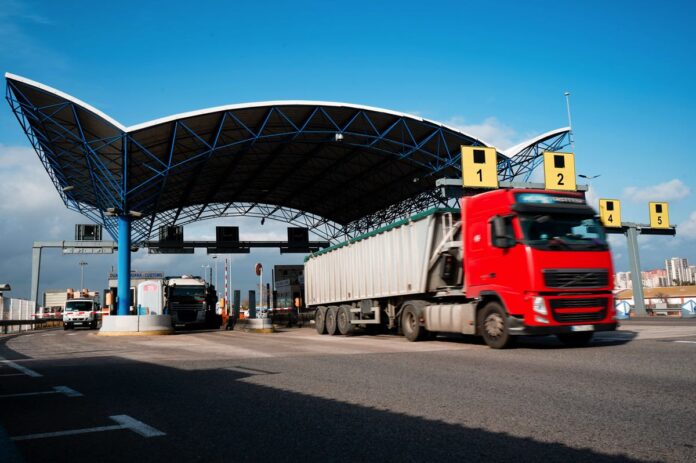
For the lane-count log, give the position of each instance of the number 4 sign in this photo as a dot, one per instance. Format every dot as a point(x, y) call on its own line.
point(610, 212)
point(559, 171)
point(479, 167)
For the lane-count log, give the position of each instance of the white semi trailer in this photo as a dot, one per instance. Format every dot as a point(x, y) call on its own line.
point(366, 281)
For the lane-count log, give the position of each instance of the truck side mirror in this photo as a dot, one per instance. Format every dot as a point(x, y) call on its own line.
point(500, 233)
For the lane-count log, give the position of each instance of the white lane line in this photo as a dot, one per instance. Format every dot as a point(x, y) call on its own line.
point(56, 390)
point(72, 334)
point(137, 426)
point(17, 367)
point(50, 334)
point(12, 374)
point(686, 342)
point(125, 422)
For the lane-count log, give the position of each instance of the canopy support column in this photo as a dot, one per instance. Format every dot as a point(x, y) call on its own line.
point(124, 264)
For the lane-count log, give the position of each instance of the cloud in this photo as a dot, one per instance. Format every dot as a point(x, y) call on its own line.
point(687, 229)
point(25, 186)
point(671, 190)
point(491, 130)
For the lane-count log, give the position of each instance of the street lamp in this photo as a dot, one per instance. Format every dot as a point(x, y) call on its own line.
point(589, 177)
point(216, 272)
point(82, 274)
point(205, 272)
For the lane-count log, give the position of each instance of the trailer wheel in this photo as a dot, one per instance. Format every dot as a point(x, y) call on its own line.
point(331, 315)
point(575, 339)
point(345, 327)
point(320, 319)
point(494, 327)
point(410, 324)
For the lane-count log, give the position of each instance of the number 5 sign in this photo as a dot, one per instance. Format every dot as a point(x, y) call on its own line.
point(559, 171)
point(479, 167)
point(659, 215)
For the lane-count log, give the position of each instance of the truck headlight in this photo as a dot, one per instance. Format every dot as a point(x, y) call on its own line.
point(539, 306)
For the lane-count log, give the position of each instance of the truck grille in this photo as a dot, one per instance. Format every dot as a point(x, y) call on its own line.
point(582, 278)
point(186, 315)
point(592, 304)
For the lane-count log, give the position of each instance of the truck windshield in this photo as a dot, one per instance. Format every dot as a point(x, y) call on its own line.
point(563, 232)
point(187, 294)
point(79, 305)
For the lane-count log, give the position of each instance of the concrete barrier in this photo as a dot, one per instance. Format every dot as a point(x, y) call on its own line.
point(255, 325)
point(136, 325)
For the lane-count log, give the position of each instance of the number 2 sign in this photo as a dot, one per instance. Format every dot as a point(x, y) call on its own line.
point(559, 171)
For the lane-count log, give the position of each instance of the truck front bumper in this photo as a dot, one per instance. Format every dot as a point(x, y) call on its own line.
point(517, 327)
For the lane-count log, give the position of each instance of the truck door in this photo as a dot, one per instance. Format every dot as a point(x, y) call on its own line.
point(500, 263)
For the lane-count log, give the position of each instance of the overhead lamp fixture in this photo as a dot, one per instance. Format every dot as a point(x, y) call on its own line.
point(135, 214)
point(5, 287)
point(588, 177)
point(263, 220)
point(339, 136)
point(68, 188)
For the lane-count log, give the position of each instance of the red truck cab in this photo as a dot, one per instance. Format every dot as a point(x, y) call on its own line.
point(543, 256)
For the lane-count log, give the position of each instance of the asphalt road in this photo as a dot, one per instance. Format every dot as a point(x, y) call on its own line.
point(297, 396)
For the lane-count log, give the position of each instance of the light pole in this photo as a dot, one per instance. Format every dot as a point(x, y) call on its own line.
point(82, 264)
point(216, 272)
point(205, 272)
point(570, 121)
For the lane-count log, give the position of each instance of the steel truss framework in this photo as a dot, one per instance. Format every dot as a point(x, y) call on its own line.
point(338, 170)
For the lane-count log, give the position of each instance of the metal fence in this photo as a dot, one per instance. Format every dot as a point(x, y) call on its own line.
point(15, 311)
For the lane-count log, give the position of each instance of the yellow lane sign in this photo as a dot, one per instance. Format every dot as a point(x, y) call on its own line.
point(479, 167)
point(610, 212)
point(559, 171)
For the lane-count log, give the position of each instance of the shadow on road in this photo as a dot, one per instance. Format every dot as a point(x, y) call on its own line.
point(222, 415)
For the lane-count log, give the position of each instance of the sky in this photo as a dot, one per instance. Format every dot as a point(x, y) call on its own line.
point(497, 70)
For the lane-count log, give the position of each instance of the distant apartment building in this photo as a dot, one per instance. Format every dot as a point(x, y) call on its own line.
point(677, 271)
point(654, 278)
point(622, 280)
point(691, 272)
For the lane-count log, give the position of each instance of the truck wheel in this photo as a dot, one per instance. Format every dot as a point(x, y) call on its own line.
point(320, 320)
point(575, 339)
point(331, 315)
point(345, 327)
point(410, 324)
point(494, 327)
point(65, 326)
point(93, 325)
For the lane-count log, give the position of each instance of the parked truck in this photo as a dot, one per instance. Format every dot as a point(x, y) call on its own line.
point(510, 262)
point(190, 301)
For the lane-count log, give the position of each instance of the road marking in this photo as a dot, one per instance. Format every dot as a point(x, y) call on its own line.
point(56, 390)
point(49, 334)
point(72, 334)
point(12, 374)
point(17, 367)
point(125, 422)
point(686, 342)
point(137, 426)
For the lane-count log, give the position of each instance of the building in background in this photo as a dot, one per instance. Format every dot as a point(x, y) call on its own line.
point(289, 284)
point(691, 273)
point(677, 268)
point(623, 280)
point(654, 278)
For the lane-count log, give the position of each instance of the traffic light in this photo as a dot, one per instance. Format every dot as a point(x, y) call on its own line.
point(659, 215)
point(610, 212)
point(559, 171)
point(479, 167)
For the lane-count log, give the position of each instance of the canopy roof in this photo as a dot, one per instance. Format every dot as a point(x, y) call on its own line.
point(339, 169)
